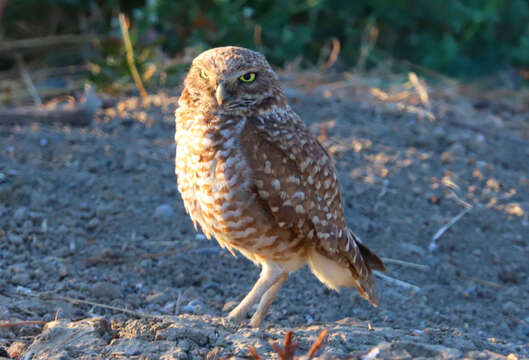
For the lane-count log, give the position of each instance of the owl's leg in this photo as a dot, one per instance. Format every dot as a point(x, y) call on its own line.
point(266, 301)
point(269, 276)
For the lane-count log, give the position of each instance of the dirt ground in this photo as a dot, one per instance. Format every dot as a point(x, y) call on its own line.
point(95, 245)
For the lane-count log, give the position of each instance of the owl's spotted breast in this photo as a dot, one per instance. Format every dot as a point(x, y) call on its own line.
point(212, 177)
point(219, 191)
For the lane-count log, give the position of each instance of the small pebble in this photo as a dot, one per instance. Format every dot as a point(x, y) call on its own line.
point(214, 286)
point(457, 150)
point(91, 165)
point(27, 225)
point(508, 276)
point(130, 162)
point(525, 330)
point(200, 237)
point(62, 229)
point(93, 224)
point(20, 278)
point(194, 306)
point(103, 210)
point(20, 214)
point(15, 239)
point(159, 298)
point(106, 290)
point(164, 212)
point(230, 305)
point(17, 349)
point(84, 206)
point(510, 308)
point(169, 308)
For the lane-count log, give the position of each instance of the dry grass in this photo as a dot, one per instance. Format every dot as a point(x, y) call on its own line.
point(288, 351)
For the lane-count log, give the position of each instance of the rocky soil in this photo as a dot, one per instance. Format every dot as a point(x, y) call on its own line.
point(96, 249)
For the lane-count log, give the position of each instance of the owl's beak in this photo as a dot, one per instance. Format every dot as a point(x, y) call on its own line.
point(220, 93)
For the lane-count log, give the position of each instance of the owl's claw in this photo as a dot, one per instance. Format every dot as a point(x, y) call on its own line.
point(236, 316)
point(255, 321)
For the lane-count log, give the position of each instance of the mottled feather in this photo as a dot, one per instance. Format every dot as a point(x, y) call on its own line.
point(297, 181)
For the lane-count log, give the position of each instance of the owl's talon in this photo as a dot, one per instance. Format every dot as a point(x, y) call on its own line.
point(235, 317)
point(256, 321)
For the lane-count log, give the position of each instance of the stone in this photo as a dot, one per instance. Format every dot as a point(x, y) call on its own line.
point(164, 212)
point(103, 210)
point(15, 239)
point(194, 307)
point(130, 162)
point(20, 214)
point(106, 290)
point(17, 349)
point(21, 278)
point(457, 150)
point(159, 298)
point(510, 308)
point(93, 224)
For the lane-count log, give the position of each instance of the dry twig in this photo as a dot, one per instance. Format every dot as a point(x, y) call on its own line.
point(138, 314)
point(22, 323)
point(421, 113)
point(46, 296)
point(41, 42)
point(384, 189)
point(481, 282)
point(80, 114)
point(405, 263)
point(130, 56)
point(213, 354)
point(369, 39)
point(57, 313)
point(335, 51)
point(289, 348)
point(255, 355)
point(397, 282)
point(421, 89)
point(318, 344)
point(257, 39)
point(26, 78)
point(384, 96)
point(123, 259)
point(442, 230)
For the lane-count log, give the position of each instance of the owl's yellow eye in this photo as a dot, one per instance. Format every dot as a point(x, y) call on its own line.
point(204, 75)
point(247, 78)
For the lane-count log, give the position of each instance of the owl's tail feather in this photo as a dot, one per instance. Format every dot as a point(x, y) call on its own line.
point(372, 261)
point(353, 266)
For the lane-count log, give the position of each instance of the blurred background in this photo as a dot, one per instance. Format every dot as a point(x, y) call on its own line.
point(64, 43)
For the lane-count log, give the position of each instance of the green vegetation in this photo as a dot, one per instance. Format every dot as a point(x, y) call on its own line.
point(457, 37)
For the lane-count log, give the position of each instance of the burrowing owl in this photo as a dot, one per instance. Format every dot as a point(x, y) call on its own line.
point(252, 175)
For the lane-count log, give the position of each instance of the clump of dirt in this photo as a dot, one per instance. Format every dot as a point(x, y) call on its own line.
point(95, 243)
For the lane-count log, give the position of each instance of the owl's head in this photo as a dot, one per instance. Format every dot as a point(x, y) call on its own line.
point(231, 79)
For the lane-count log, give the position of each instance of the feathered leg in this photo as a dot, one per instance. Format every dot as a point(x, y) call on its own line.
point(269, 276)
point(266, 301)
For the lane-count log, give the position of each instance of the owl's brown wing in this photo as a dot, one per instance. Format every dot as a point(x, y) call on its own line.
point(296, 179)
